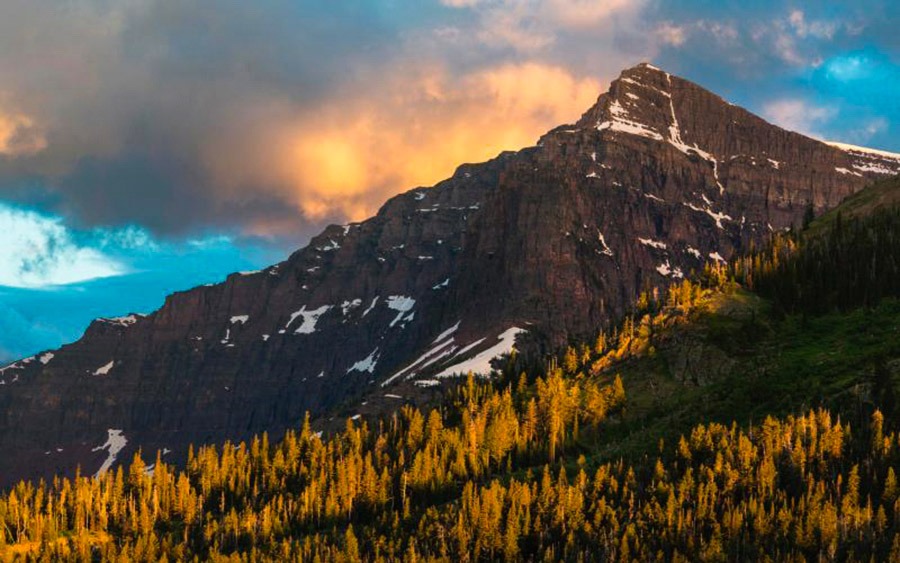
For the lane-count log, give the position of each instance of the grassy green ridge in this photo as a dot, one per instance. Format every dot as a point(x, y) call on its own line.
point(753, 366)
point(883, 194)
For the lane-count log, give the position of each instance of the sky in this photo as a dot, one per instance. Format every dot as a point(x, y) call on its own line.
point(148, 146)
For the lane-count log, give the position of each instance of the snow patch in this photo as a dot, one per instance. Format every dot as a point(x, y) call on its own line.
point(652, 243)
point(372, 306)
point(717, 217)
point(606, 250)
point(622, 123)
point(125, 321)
point(45, 359)
point(481, 363)
point(240, 319)
point(717, 257)
point(115, 442)
point(870, 160)
point(694, 252)
point(332, 245)
point(843, 170)
point(447, 332)
point(366, 364)
point(402, 304)
point(104, 370)
point(348, 306)
point(310, 318)
point(668, 271)
point(674, 128)
point(642, 85)
point(676, 141)
point(443, 350)
point(441, 285)
point(629, 127)
point(876, 168)
point(863, 150)
point(427, 383)
point(14, 365)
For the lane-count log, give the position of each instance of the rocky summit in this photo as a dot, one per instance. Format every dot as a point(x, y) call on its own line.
point(534, 247)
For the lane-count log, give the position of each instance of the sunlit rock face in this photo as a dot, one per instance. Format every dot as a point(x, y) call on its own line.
point(659, 177)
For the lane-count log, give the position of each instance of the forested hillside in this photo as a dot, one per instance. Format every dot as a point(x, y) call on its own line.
point(745, 415)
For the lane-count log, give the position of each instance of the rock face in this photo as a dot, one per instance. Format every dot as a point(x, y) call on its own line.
point(657, 178)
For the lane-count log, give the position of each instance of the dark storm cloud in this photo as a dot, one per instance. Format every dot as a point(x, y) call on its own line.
point(129, 95)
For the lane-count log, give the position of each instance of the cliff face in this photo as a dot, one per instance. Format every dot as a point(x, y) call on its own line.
point(657, 178)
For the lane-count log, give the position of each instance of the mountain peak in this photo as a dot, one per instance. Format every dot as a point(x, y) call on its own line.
point(645, 101)
point(643, 67)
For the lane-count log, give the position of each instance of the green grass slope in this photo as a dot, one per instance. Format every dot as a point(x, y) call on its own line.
point(730, 361)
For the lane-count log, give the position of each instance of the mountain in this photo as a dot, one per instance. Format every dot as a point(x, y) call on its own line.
point(544, 244)
point(708, 426)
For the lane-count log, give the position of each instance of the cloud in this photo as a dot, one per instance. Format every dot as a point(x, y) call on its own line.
point(869, 129)
point(37, 251)
point(529, 26)
point(850, 68)
point(183, 119)
point(271, 118)
point(794, 39)
point(351, 155)
point(671, 34)
point(799, 115)
point(40, 317)
point(819, 29)
point(462, 3)
point(19, 135)
point(759, 38)
point(132, 97)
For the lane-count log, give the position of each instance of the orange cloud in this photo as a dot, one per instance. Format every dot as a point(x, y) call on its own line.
point(343, 161)
point(19, 135)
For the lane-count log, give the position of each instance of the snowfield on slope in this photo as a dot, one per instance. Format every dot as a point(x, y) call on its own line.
point(481, 362)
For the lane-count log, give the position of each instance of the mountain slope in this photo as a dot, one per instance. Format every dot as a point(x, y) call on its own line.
point(658, 442)
point(658, 177)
